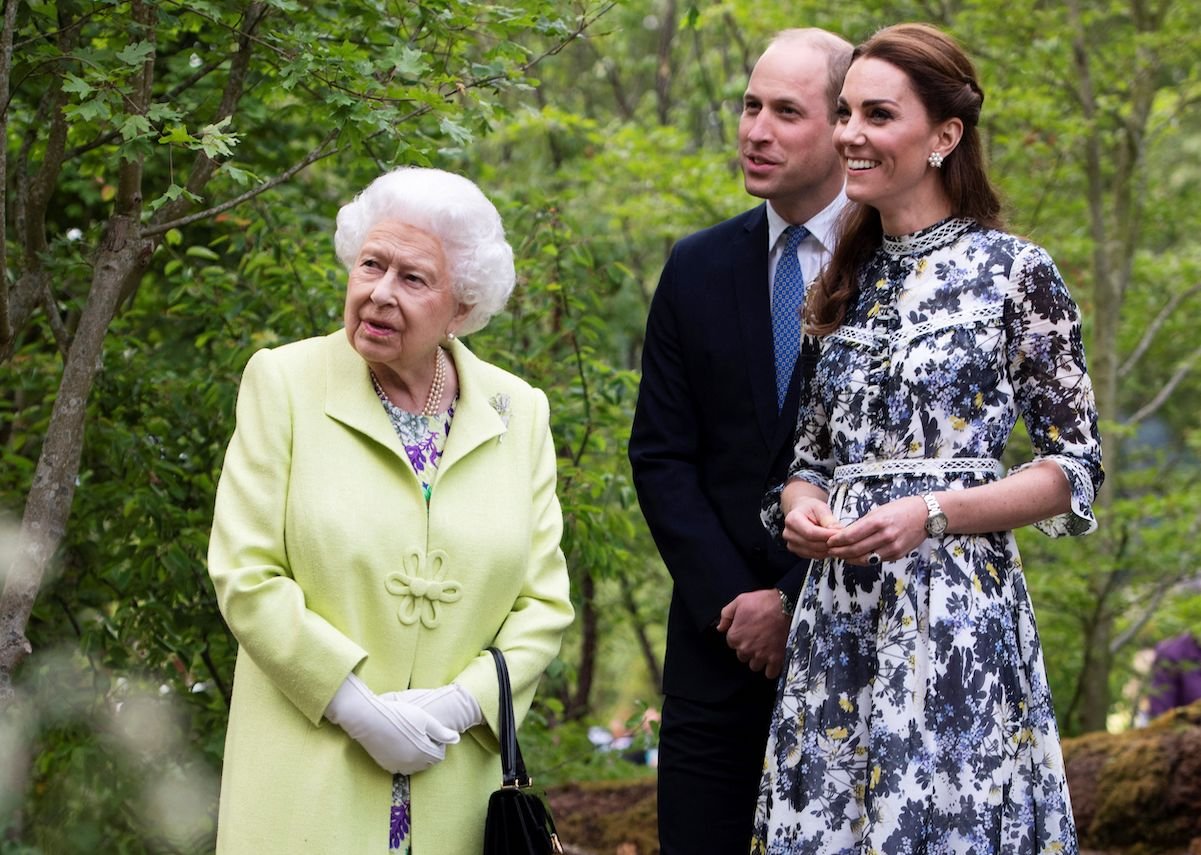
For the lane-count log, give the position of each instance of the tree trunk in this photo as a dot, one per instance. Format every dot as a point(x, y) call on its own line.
point(6, 61)
point(48, 504)
point(122, 258)
point(644, 643)
point(663, 68)
point(1114, 227)
point(590, 622)
point(1092, 709)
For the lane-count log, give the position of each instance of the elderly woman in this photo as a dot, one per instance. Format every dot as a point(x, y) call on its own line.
point(913, 714)
point(386, 512)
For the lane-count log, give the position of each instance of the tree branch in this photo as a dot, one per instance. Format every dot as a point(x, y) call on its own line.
point(711, 93)
point(61, 336)
point(34, 189)
point(111, 136)
point(6, 62)
point(1186, 570)
point(663, 66)
point(312, 157)
point(205, 166)
point(1152, 329)
point(1131, 632)
point(1182, 371)
point(613, 75)
point(160, 224)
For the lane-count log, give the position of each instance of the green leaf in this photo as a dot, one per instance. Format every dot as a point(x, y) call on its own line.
point(240, 176)
point(214, 140)
point(135, 54)
point(202, 252)
point(76, 85)
point(455, 130)
point(95, 110)
point(161, 113)
point(407, 62)
point(134, 126)
point(177, 134)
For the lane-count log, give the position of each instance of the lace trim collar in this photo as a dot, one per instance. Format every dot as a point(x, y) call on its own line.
point(930, 238)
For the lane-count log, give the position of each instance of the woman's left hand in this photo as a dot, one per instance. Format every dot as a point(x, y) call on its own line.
point(451, 705)
point(889, 532)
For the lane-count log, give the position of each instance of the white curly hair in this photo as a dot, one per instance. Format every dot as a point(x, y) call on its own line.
point(454, 210)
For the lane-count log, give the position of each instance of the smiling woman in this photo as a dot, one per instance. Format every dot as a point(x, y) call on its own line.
point(365, 554)
point(886, 136)
point(913, 713)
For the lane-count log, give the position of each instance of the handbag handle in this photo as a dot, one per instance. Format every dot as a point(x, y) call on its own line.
point(513, 773)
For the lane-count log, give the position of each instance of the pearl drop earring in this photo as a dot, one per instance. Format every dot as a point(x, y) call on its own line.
point(935, 159)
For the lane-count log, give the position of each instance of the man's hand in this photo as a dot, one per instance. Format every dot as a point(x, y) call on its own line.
point(757, 629)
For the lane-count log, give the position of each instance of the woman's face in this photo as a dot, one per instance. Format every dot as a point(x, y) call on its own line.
point(885, 136)
point(399, 301)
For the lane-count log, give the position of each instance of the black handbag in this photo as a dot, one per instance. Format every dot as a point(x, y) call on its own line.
point(519, 822)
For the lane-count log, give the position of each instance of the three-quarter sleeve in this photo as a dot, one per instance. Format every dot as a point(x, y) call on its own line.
point(1053, 391)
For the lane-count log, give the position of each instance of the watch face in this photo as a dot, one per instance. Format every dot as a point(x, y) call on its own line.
point(936, 524)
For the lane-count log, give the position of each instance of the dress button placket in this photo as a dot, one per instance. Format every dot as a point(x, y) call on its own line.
point(886, 323)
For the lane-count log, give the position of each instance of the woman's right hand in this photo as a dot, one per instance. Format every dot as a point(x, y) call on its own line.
point(401, 737)
point(808, 526)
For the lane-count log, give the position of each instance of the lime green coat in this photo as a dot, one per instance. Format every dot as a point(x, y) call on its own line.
point(326, 560)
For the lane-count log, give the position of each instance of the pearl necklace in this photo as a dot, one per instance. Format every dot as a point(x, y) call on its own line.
point(433, 399)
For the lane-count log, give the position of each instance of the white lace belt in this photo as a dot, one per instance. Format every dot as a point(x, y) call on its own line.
point(918, 466)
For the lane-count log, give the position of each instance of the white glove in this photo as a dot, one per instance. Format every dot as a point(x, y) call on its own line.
point(451, 705)
point(399, 736)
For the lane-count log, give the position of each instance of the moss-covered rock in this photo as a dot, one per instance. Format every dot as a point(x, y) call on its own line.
point(1139, 792)
point(1133, 793)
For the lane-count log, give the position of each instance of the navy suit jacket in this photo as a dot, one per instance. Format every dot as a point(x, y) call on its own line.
point(707, 442)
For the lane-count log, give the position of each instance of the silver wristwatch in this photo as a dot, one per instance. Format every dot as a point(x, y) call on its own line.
point(936, 520)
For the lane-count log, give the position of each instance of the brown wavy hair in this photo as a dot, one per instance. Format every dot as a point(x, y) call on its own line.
point(944, 79)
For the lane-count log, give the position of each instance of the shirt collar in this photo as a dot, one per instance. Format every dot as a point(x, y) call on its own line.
point(823, 225)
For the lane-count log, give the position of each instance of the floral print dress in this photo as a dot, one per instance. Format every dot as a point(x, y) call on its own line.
point(423, 438)
point(913, 713)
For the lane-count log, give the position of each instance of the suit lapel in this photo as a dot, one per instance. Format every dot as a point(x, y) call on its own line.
point(477, 415)
point(803, 369)
point(350, 398)
point(749, 260)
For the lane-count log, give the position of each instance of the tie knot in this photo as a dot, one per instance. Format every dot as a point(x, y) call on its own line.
point(793, 235)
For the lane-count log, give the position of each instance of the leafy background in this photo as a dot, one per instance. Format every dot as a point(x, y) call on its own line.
point(603, 132)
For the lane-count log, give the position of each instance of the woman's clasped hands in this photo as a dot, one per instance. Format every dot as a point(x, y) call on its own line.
point(404, 732)
point(884, 533)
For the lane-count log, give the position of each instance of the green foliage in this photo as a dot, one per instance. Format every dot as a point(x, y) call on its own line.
point(622, 143)
point(562, 754)
point(129, 595)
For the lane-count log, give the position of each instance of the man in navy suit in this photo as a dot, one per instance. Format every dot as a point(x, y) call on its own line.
point(712, 431)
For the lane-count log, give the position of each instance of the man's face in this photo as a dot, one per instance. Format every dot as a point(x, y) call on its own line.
point(784, 135)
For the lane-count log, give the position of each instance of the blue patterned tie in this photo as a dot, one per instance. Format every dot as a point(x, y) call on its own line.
point(787, 294)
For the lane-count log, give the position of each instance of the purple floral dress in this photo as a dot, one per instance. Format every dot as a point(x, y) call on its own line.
point(423, 438)
point(913, 713)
